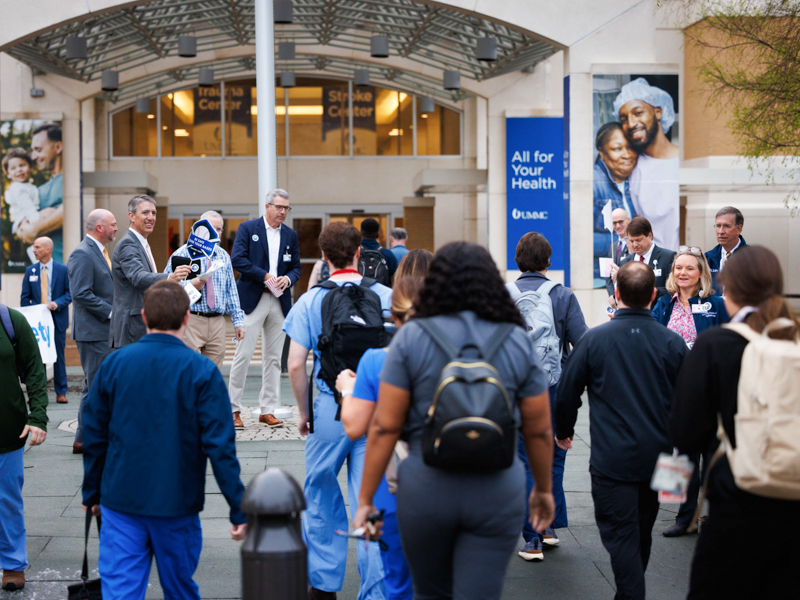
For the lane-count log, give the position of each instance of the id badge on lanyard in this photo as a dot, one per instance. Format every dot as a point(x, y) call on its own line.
point(671, 477)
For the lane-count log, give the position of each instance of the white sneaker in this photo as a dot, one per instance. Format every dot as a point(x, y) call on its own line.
point(550, 537)
point(532, 550)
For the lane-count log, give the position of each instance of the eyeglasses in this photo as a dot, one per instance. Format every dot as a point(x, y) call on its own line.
point(690, 250)
point(279, 208)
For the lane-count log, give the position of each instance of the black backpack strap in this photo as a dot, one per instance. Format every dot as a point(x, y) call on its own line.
point(368, 282)
point(494, 343)
point(85, 569)
point(311, 397)
point(327, 284)
point(439, 338)
point(8, 325)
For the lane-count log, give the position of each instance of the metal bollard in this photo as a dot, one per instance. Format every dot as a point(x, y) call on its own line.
point(274, 556)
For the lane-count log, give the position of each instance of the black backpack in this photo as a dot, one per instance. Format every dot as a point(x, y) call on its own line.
point(470, 423)
point(372, 264)
point(8, 327)
point(352, 323)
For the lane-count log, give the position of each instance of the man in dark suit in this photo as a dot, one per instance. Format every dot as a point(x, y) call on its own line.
point(728, 225)
point(265, 253)
point(47, 282)
point(639, 234)
point(134, 270)
point(620, 221)
point(93, 291)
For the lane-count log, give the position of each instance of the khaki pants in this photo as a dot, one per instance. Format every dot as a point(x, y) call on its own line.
point(206, 335)
point(267, 320)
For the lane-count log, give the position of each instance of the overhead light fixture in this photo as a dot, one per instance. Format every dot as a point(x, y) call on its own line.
point(109, 81)
point(286, 50)
point(287, 79)
point(143, 106)
point(151, 116)
point(282, 12)
point(426, 106)
point(379, 46)
point(361, 77)
point(37, 92)
point(395, 132)
point(76, 48)
point(486, 49)
point(181, 133)
point(452, 80)
point(205, 77)
point(187, 46)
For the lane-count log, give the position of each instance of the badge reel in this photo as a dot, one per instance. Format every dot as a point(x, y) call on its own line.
point(671, 477)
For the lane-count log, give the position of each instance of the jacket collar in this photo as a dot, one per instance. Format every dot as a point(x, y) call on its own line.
point(632, 313)
point(533, 275)
point(162, 338)
point(370, 244)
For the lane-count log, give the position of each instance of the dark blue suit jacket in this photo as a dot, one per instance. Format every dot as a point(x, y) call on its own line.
point(717, 315)
point(714, 258)
point(155, 412)
point(32, 292)
point(250, 256)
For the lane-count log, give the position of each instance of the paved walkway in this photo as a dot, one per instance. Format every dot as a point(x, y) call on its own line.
point(575, 570)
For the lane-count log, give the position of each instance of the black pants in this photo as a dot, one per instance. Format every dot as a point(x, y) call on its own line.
point(625, 512)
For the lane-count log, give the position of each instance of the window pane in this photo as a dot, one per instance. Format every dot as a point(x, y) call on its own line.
point(438, 132)
point(391, 133)
point(190, 122)
point(134, 134)
point(318, 120)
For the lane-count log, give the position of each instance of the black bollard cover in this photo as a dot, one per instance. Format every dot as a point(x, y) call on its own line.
point(274, 556)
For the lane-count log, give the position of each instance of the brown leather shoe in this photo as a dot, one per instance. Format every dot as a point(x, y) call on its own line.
point(269, 419)
point(315, 594)
point(237, 421)
point(61, 399)
point(13, 580)
point(77, 447)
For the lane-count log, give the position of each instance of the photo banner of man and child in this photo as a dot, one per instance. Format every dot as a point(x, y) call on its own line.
point(31, 190)
point(636, 166)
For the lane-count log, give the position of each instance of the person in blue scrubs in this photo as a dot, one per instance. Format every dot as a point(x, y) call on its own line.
point(359, 394)
point(328, 446)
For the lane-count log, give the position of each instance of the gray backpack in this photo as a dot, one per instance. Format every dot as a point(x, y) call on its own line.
point(537, 310)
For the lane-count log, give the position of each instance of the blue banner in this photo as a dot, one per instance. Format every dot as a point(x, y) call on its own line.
point(535, 183)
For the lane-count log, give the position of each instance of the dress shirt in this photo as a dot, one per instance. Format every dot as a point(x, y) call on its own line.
point(274, 243)
point(646, 255)
point(146, 245)
point(101, 246)
point(226, 297)
point(723, 258)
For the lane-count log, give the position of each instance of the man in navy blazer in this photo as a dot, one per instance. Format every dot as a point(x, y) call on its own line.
point(267, 255)
point(728, 225)
point(57, 300)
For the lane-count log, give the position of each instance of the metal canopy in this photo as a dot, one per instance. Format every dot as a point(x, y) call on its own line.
point(434, 36)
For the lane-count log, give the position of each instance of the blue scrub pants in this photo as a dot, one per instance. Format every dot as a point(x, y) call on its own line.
point(128, 544)
point(13, 555)
point(397, 581)
point(559, 458)
point(326, 450)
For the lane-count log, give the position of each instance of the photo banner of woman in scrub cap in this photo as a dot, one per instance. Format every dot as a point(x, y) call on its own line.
point(636, 158)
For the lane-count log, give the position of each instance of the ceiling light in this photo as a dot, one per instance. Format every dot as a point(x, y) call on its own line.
point(76, 48)
point(109, 81)
point(426, 106)
point(286, 51)
point(379, 46)
point(282, 11)
point(205, 77)
point(287, 79)
point(452, 80)
point(361, 77)
point(187, 46)
point(143, 106)
point(181, 133)
point(396, 132)
point(424, 116)
point(486, 49)
point(151, 116)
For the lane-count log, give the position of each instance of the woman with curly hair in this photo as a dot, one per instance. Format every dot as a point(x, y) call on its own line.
point(459, 528)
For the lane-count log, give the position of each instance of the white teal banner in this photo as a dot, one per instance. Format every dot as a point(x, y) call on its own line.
point(41, 321)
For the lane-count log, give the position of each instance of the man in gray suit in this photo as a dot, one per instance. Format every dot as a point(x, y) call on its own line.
point(92, 295)
point(134, 270)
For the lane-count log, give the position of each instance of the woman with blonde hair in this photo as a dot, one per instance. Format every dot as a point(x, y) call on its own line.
point(414, 264)
point(691, 305)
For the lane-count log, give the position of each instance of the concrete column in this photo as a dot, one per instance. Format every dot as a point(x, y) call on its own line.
point(265, 91)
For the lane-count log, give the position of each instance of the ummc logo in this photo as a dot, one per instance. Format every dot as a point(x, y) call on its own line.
point(517, 214)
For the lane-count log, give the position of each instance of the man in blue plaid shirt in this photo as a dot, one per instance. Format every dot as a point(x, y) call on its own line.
point(205, 332)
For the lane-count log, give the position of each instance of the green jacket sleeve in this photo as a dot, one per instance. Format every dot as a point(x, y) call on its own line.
point(33, 368)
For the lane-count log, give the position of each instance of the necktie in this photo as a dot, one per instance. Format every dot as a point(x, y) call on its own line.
point(108, 260)
point(150, 256)
point(727, 255)
point(619, 250)
point(45, 286)
point(210, 299)
point(641, 259)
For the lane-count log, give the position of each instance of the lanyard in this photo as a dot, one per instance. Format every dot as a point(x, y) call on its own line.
point(341, 271)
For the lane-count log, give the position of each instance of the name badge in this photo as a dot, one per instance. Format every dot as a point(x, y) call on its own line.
point(33, 278)
point(287, 257)
point(657, 272)
point(701, 308)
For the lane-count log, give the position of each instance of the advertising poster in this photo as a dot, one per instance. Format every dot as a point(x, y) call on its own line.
point(41, 321)
point(636, 162)
point(535, 184)
point(31, 190)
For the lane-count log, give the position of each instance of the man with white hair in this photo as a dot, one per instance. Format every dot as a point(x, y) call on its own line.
point(205, 331)
point(647, 113)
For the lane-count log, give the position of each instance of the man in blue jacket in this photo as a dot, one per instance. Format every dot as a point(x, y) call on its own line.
point(630, 400)
point(47, 282)
point(728, 225)
point(155, 412)
point(265, 253)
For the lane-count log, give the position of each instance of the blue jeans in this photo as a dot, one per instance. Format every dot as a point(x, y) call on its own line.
point(326, 450)
point(13, 555)
point(559, 457)
point(128, 544)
